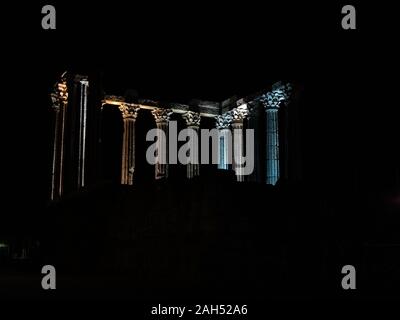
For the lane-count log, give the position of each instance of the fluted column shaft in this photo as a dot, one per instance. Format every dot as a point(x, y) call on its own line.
point(238, 149)
point(193, 122)
point(224, 141)
point(59, 104)
point(129, 114)
point(223, 123)
point(161, 117)
point(238, 116)
point(83, 114)
point(272, 146)
point(254, 124)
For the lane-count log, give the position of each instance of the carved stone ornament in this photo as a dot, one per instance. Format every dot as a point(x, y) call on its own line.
point(161, 115)
point(129, 111)
point(59, 96)
point(279, 95)
point(192, 118)
point(223, 121)
point(239, 114)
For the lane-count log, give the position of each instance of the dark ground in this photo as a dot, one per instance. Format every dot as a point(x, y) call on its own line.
point(214, 237)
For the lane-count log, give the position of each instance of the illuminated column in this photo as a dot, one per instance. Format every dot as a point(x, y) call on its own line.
point(272, 101)
point(162, 120)
point(193, 122)
point(238, 115)
point(129, 114)
point(225, 140)
point(272, 140)
point(254, 119)
point(59, 104)
point(83, 115)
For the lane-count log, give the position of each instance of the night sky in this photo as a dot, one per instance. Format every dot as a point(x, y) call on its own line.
point(175, 52)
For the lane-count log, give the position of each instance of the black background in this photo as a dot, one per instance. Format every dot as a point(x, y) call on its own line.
point(175, 51)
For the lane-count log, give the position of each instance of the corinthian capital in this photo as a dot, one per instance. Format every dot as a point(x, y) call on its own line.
point(129, 111)
point(239, 114)
point(279, 94)
point(59, 96)
point(223, 121)
point(161, 115)
point(192, 118)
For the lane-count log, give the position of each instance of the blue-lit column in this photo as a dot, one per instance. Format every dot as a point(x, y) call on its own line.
point(238, 116)
point(272, 101)
point(161, 117)
point(192, 120)
point(272, 139)
point(223, 123)
point(129, 115)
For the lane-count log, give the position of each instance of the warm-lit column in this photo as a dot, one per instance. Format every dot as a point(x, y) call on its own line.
point(193, 122)
point(223, 123)
point(238, 116)
point(59, 104)
point(162, 120)
point(272, 101)
point(129, 114)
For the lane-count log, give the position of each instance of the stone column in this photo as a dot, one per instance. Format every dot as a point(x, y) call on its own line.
point(59, 100)
point(272, 101)
point(272, 147)
point(254, 119)
point(129, 114)
point(83, 116)
point(223, 123)
point(238, 116)
point(193, 122)
point(161, 117)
